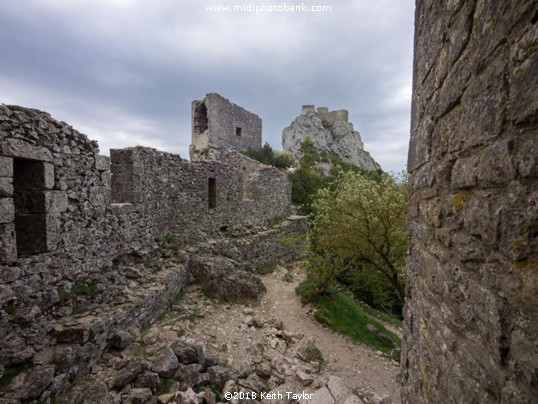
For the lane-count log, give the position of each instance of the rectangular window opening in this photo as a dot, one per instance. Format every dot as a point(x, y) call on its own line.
point(212, 193)
point(29, 201)
point(238, 131)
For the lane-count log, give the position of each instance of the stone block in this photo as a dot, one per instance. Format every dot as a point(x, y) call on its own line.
point(122, 188)
point(55, 201)
point(481, 216)
point(419, 146)
point(523, 79)
point(8, 243)
point(6, 186)
point(102, 163)
point(121, 156)
point(48, 175)
point(20, 148)
point(494, 165)
point(7, 210)
point(52, 228)
point(464, 173)
point(489, 167)
point(469, 248)
point(6, 166)
point(525, 157)
point(423, 177)
point(481, 119)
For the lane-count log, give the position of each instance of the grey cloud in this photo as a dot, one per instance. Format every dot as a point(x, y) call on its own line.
point(128, 72)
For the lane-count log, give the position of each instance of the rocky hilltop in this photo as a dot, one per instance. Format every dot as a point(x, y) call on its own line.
point(330, 132)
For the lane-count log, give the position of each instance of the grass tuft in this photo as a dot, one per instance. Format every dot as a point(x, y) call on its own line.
point(166, 386)
point(267, 268)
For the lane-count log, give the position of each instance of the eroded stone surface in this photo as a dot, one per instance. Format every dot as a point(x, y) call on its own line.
point(471, 323)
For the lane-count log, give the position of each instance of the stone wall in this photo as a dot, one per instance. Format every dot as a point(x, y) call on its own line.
point(471, 324)
point(218, 124)
point(66, 226)
point(323, 113)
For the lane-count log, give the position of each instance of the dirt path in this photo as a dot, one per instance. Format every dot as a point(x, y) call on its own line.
point(357, 365)
point(230, 332)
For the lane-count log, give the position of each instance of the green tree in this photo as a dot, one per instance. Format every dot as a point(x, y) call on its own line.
point(362, 221)
point(308, 179)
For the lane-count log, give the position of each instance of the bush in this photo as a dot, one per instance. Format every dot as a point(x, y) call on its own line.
point(362, 222)
point(305, 182)
point(267, 155)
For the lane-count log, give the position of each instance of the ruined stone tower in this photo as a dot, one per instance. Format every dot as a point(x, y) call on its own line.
point(218, 124)
point(471, 323)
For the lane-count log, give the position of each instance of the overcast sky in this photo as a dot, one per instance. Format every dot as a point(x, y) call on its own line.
point(124, 72)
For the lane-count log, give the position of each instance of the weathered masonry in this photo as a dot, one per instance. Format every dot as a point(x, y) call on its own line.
point(68, 216)
point(471, 318)
point(218, 124)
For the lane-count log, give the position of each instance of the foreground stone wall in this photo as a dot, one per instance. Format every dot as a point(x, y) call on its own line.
point(471, 324)
point(218, 124)
point(66, 228)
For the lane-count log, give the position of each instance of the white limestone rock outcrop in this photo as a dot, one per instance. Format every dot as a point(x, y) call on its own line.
point(330, 132)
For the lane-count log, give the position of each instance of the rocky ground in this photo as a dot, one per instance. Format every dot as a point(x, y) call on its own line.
point(201, 348)
point(245, 334)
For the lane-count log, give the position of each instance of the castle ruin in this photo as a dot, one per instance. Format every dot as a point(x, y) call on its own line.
point(70, 219)
point(323, 113)
point(218, 124)
point(470, 331)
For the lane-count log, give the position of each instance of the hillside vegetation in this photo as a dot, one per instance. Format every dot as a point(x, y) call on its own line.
point(357, 243)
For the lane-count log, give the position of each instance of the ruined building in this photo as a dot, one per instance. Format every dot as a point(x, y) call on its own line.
point(332, 135)
point(471, 318)
point(470, 330)
point(69, 217)
point(323, 113)
point(218, 125)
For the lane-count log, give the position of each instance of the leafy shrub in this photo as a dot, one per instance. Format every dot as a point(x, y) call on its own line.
point(267, 155)
point(358, 231)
